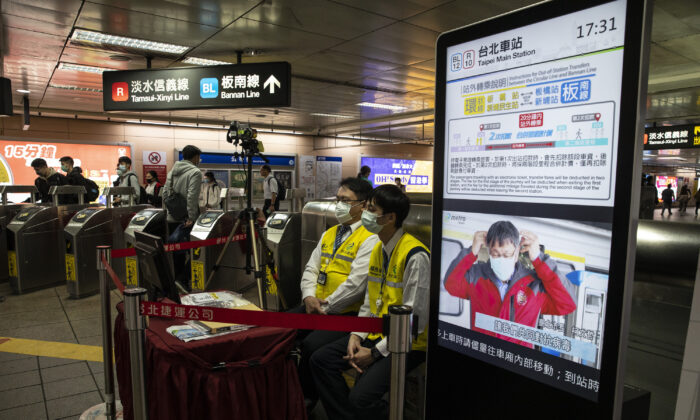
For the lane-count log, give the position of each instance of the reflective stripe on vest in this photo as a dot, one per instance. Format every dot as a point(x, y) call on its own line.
point(337, 268)
point(392, 292)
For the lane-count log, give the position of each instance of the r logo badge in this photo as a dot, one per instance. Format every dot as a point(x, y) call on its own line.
point(120, 91)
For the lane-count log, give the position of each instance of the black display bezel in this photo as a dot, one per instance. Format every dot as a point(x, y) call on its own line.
point(485, 390)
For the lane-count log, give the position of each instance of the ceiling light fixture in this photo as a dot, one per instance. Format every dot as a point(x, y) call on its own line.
point(321, 114)
point(23, 91)
point(82, 35)
point(78, 88)
point(382, 106)
point(203, 61)
point(83, 68)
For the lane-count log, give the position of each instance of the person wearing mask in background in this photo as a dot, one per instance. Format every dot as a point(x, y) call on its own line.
point(73, 173)
point(127, 178)
point(47, 178)
point(398, 183)
point(152, 188)
point(210, 196)
point(185, 180)
point(270, 190)
point(683, 198)
point(667, 197)
point(364, 174)
point(399, 274)
point(335, 277)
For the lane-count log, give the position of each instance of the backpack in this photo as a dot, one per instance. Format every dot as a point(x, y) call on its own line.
point(281, 190)
point(93, 191)
point(143, 198)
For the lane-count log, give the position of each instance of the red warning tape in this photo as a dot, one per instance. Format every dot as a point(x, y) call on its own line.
point(180, 246)
point(113, 275)
point(263, 318)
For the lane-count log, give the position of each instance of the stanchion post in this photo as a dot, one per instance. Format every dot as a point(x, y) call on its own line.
point(136, 325)
point(399, 346)
point(105, 252)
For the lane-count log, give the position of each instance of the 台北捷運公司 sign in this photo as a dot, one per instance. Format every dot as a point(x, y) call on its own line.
point(229, 86)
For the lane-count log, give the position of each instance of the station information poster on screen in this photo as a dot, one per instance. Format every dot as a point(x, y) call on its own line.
point(531, 135)
point(416, 175)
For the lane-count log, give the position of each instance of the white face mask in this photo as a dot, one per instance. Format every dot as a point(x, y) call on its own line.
point(369, 221)
point(503, 267)
point(342, 212)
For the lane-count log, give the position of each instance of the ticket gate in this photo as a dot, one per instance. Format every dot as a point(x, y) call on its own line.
point(284, 240)
point(34, 242)
point(214, 224)
point(7, 212)
point(151, 221)
point(90, 228)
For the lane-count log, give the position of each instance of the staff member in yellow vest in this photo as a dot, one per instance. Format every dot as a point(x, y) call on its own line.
point(399, 274)
point(335, 278)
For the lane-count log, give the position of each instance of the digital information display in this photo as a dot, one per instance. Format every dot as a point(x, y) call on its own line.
point(416, 175)
point(531, 126)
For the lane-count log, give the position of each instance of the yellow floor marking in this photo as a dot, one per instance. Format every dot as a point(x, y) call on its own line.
point(51, 349)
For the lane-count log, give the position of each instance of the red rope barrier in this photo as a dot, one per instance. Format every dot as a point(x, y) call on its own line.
point(113, 275)
point(181, 246)
point(263, 318)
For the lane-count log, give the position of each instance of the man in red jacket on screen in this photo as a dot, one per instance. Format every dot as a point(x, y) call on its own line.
point(504, 287)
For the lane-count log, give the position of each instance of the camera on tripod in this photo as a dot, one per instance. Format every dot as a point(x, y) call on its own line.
point(241, 134)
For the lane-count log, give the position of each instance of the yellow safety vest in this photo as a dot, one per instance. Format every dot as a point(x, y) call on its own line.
point(336, 268)
point(390, 284)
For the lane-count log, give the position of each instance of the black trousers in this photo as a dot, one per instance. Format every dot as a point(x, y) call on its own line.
point(181, 262)
point(364, 401)
point(309, 342)
point(266, 207)
point(666, 205)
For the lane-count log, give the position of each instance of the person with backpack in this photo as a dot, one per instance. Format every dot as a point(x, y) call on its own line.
point(128, 178)
point(271, 191)
point(46, 178)
point(181, 198)
point(75, 177)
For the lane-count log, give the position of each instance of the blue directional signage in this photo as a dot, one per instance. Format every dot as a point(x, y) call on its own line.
point(230, 159)
point(229, 86)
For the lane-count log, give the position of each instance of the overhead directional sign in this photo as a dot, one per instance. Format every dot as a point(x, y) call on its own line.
point(230, 86)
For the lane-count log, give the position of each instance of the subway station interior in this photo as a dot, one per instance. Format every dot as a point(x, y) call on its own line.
point(361, 83)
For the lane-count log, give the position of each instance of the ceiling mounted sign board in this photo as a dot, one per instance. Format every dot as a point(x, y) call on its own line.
point(231, 86)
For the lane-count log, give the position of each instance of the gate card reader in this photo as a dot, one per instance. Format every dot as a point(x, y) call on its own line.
point(284, 240)
point(150, 221)
point(35, 247)
point(7, 212)
point(89, 229)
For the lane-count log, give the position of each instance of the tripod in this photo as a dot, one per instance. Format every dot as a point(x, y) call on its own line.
point(254, 237)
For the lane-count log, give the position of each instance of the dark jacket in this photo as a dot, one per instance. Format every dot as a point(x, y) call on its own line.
point(668, 195)
point(54, 179)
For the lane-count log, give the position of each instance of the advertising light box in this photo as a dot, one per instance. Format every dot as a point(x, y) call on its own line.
point(416, 175)
point(98, 162)
point(530, 209)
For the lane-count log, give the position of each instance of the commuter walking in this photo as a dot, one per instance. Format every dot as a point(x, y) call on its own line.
point(270, 191)
point(697, 201)
point(210, 196)
point(683, 198)
point(181, 197)
point(667, 197)
point(648, 199)
point(47, 178)
point(153, 188)
point(127, 178)
point(398, 183)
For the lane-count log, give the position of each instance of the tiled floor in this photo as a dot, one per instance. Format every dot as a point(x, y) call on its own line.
point(34, 387)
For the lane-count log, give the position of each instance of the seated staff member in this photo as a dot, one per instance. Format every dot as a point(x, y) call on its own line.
point(335, 278)
point(399, 274)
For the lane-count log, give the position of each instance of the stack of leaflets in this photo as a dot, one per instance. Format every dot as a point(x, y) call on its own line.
point(200, 330)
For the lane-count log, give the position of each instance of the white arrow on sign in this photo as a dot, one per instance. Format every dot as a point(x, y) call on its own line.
point(272, 82)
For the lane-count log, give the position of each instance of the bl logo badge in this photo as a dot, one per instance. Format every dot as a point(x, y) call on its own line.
point(209, 87)
point(120, 92)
